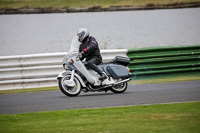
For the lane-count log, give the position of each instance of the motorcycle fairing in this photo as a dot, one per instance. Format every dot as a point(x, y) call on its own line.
point(62, 74)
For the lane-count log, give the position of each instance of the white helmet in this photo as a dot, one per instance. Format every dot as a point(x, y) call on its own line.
point(82, 34)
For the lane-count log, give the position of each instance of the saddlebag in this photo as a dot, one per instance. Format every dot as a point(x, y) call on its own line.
point(118, 71)
point(121, 60)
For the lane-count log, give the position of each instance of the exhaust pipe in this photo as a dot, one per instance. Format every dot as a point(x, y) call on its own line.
point(126, 80)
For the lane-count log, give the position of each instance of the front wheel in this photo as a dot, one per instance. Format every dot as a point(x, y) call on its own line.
point(119, 88)
point(69, 91)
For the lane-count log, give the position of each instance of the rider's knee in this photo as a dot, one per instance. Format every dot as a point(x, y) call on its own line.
point(89, 64)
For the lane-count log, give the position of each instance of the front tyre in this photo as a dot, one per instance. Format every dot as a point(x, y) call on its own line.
point(119, 88)
point(69, 91)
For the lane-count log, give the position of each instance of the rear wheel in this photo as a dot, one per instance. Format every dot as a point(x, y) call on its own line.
point(119, 88)
point(69, 91)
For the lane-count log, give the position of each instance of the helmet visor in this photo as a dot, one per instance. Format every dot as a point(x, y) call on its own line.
point(80, 36)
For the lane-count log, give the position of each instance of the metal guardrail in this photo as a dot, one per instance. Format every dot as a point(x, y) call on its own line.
point(38, 70)
point(41, 70)
point(164, 60)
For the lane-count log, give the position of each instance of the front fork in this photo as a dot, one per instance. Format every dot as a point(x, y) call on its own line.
point(70, 82)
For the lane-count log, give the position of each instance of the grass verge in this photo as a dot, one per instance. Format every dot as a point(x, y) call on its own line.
point(86, 3)
point(162, 118)
point(165, 80)
point(28, 90)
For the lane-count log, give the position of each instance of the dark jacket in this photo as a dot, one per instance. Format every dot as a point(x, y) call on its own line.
point(89, 48)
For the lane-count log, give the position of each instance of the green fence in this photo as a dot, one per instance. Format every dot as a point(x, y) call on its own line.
point(164, 61)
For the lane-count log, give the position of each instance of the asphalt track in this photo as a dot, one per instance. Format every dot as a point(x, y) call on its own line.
point(135, 95)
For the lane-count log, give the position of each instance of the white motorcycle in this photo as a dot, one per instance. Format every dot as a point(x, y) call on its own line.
point(77, 77)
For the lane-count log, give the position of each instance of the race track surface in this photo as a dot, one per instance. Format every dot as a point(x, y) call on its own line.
point(135, 95)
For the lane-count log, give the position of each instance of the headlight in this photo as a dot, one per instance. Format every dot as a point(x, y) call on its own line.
point(66, 66)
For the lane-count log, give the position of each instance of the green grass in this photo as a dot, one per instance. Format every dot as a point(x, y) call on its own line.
point(28, 90)
point(83, 3)
point(164, 80)
point(160, 118)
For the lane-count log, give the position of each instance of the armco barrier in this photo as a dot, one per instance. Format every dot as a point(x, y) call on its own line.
point(41, 70)
point(164, 60)
point(38, 70)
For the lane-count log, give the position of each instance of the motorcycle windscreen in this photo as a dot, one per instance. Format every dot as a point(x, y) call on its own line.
point(118, 71)
point(74, 48)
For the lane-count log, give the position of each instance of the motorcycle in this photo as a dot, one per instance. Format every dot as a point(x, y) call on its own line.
point(77, 77)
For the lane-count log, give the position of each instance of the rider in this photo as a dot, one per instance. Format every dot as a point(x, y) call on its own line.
point(90, 50)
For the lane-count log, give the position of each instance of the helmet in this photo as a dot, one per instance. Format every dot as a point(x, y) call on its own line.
point(82, 34)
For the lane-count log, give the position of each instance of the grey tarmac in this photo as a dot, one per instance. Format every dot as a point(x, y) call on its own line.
point(135, 95)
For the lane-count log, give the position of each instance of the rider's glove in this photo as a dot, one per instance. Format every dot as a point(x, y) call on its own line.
point(84, 51)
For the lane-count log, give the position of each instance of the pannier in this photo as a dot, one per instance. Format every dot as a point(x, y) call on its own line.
point(121, 60)
point(117, 71)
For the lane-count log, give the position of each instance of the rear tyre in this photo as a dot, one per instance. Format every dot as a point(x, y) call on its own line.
point(119, 88)
point(69, 91)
